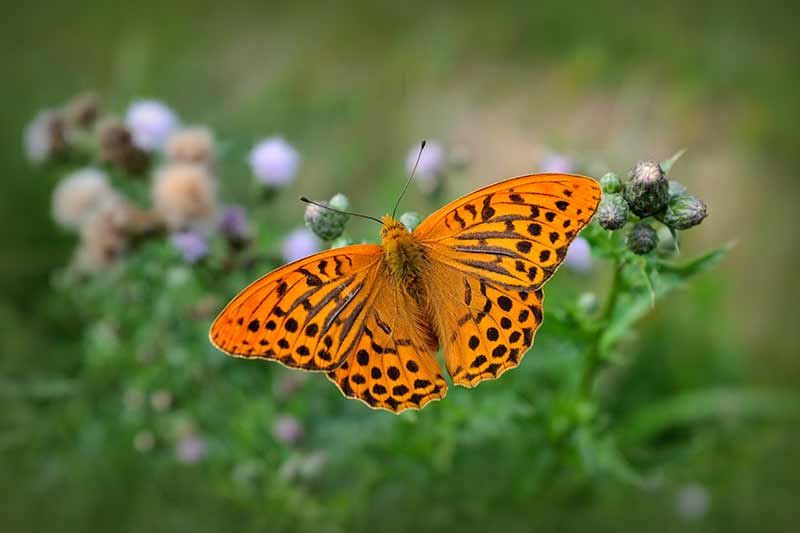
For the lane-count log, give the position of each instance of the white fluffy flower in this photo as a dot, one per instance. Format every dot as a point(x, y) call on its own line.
point(299, 244)
point(431, 165)
point(191, 145)
point(79, 195)
point(274, 161)
point(185, 197)
point(150, 122)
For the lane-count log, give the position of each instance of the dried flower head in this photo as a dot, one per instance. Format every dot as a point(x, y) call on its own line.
point(431, 168)
point(185, 197)
point(642, 238)
point(104, 237)
point(78, 195)
point(612, 213)
point(45, 137)
point(274, 162)
point(326, 224)
point(82, 111)
point(117, 148)
point(191, 145)
point(646, 189)
point(151, 122)
point(300, 243)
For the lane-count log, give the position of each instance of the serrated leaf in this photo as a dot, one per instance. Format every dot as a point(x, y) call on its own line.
point(635, 302)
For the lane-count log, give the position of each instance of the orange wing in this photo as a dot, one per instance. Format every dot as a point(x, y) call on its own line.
point(490, 253)
point(308, 314)
point(393, 364)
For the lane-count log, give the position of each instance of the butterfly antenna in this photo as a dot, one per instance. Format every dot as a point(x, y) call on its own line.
point(329, 208)
point(411, 177)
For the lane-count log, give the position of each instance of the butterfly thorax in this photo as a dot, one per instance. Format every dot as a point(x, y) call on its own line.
point(404, 257)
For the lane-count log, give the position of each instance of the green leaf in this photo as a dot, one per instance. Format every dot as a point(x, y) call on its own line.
point(667, 165)
point(711, 405)
point(635, 301)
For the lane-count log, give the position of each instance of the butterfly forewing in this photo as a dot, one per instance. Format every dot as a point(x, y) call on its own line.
point(490, 253)
point(305, 315)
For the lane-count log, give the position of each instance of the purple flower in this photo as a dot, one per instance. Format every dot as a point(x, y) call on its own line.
point(579, 256)
point(693, 502)
point(191, 448)
point(431, 165)
point(557, 163)
point(150, 123)
point(274, 161)
point(192, 246)
point(299, 244)
point(233, 223)
point(287, 429)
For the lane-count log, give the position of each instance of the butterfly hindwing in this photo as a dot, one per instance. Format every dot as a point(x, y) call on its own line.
point(304, 315)
point(393, 364)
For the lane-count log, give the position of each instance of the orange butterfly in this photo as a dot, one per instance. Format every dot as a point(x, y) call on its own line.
point(468, 279)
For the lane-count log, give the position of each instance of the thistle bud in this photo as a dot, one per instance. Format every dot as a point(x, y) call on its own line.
point(612, 213)
point(676, 188)
point(642, 238)
point(683, 212)
point(611, 183)
point(646, 189)
point(410, 220)
point(117, 147)
point(327, 224)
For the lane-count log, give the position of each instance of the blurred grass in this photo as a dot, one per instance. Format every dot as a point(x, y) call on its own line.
point(354, 88)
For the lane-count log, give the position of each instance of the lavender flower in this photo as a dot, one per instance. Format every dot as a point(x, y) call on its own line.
point(300, 243)
point(431, 167)
point(233, 224)
point(192, 246)
point(150, 122)
point(274, 162)
point(579, 256)
point(557, 163)
point(287, 429)
point(191, 448)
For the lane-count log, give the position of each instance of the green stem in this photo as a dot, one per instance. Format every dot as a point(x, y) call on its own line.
point(593, 362)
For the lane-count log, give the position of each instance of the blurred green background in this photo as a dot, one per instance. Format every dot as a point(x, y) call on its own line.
point(353, 87)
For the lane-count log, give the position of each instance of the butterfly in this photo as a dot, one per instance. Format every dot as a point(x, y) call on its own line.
point(468, 280)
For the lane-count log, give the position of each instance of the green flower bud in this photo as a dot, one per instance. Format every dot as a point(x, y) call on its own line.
point(327, 224)
point(410, 220)
point(646, 189)
point(642, 238)
point(611, 183)
point(683, 212)
point(612, 213)
point(676, 188)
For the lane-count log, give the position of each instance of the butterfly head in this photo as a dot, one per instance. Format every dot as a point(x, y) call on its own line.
point(392, 229)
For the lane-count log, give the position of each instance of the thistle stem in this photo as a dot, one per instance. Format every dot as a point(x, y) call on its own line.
point(593, 363)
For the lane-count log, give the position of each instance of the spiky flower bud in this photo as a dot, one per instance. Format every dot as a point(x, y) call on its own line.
point(612, 213)
point(642, 238)
point(410, 220)
point(611, 183)
point(676, 188)
point(683, 212)
point(646, 189)
point(327, 224)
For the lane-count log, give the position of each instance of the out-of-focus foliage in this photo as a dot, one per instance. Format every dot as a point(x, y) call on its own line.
point(658, 395)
